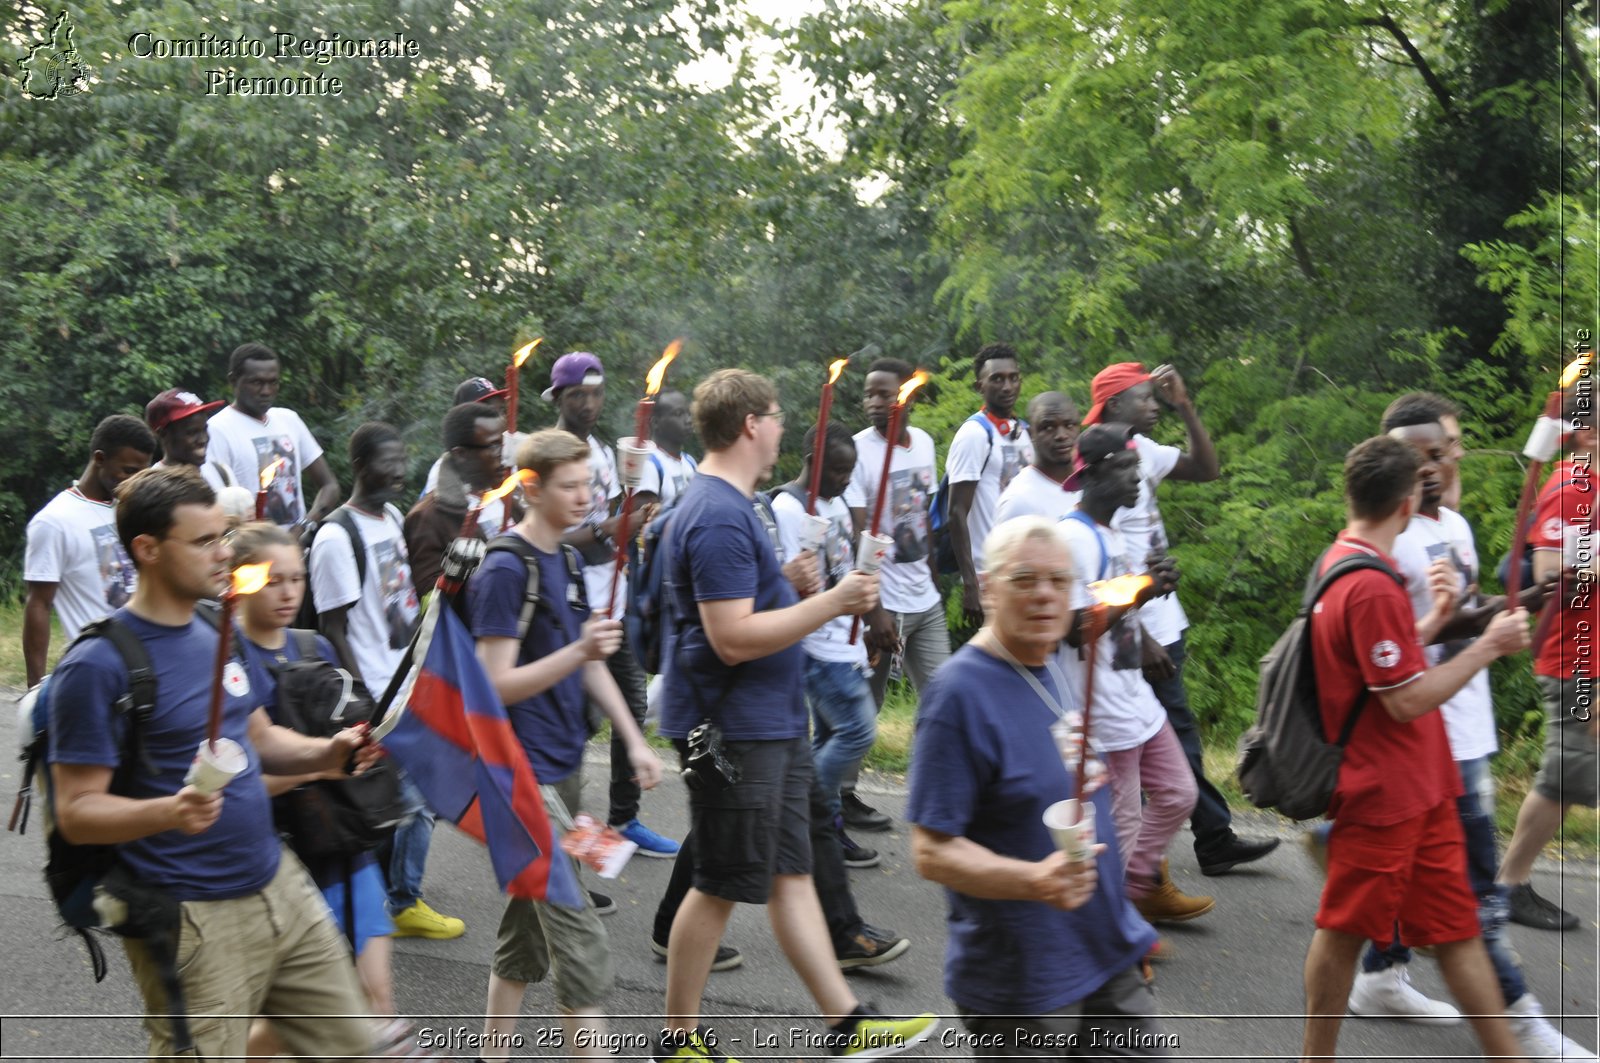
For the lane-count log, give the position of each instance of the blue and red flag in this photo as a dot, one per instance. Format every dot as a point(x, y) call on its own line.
point(450, 733)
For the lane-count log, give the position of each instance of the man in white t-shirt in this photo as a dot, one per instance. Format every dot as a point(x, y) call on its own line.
point(578, 390)
point(368, 608)
point(844, 720)
point(252, 434)
point(74, 562)
point(1037, 491)
point(671, 467)
point(1125, 392)
point(177, 417)
point(988, 450)
point(908, 629)
point(1152, 788)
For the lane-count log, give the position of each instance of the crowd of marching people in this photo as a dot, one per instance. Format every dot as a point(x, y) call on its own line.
point(778, 644)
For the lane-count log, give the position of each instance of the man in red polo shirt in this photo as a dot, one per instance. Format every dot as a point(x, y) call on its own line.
point(1563, 543)
point(1396, 853)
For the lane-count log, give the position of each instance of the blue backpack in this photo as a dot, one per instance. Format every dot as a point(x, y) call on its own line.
point(648, 624)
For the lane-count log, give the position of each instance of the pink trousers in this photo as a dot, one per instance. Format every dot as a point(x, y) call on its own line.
point(1162, 772)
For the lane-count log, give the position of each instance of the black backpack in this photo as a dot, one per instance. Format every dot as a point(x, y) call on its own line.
point(531, 599)
point(944, 551)
point(1285, 761)
point(331, 817)
point(74, 872)
point(307, 618)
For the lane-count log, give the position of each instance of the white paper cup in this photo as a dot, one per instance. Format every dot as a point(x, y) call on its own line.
point(1544, 440)
point(813, 532)
point(874, 550)
point(632, 459)
point(212, 770)
point(1074, 835)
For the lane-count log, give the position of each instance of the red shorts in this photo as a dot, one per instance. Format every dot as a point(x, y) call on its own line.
point(1413, 873)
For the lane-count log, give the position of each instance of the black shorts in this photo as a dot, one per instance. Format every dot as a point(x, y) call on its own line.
point(757, 828)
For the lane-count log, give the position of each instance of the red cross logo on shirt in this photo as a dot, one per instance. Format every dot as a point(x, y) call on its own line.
point(1386, 654)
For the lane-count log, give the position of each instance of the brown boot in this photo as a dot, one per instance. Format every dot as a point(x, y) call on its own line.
point(1168, 904)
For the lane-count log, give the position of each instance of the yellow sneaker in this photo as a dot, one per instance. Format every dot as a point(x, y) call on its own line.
point(420, 921)
point(879, 1035)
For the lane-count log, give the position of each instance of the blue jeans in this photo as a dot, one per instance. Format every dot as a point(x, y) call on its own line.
point(1482, 862)
point(408, 856)
point(844, 722)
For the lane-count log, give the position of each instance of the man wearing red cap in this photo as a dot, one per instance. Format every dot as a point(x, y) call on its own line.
point(175, 417)
point(1125, 392)
point(479, 389)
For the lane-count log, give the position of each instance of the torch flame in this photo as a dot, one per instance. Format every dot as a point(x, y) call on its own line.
point(523, 352)
point(1120, 590)
point(247, 579)
point(270, 473)
point(658, 372)
point(835, 368)
point(504, 489)
point(1574, 370)
point(915, 381)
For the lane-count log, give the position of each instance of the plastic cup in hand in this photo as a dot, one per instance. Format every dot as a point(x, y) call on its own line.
point(633, 458)
point(873, 552)
point(215, 768)
point(813, 532)
point(1071, 824)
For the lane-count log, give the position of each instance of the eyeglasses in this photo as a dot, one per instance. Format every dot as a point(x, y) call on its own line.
point(1028, 582)
point(204, 543)
point(776, 415)
point(478, 446)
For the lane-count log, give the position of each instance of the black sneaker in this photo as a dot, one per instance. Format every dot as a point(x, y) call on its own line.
point(727, 957)
point(869, 946)
point(1237, 851)
point(603, 905)
point(860, 815)
point(1530, 909)
point(856, 856)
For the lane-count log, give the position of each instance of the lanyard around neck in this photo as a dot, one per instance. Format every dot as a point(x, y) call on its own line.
point(1051, 701)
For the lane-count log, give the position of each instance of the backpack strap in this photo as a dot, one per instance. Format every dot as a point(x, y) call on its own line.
point(138, 703)
point(345, 518)
point(306, 643)
point(1089, 522)
point(1316, 588)
point(661, 471)
point(795, 492)
point(531, 594)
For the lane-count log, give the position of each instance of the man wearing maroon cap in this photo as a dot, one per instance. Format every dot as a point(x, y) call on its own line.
point(477, 389)
point(175, 417)
point(1125, 392)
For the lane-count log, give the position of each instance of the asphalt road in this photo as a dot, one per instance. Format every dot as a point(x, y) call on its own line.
point(1233, 989)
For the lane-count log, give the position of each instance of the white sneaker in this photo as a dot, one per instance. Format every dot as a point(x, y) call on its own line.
point(1389, 994)
point(1539, 1039)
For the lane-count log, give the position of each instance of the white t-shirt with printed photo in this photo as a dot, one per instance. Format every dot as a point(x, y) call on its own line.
point(384, 614)
point(1469, 714)
point(981, 453)
point(1033, 494)
point(247, 446)
point(666, 476)
point(1126, 713)
point(906, 583)
point(831, 641)
point(1143, 531)
point(72, 542)
point(604, 486)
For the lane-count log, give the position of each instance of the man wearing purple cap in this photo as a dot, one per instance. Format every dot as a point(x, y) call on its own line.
point(175, 417)
point(578, 390)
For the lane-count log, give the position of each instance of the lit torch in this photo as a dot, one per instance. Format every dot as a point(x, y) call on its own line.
point(633, 463)
point(268, 474)
point(513, 375)
point(897, 415)
point(819, 448)
point(247, 579)
point(1108, 594)
point(1544, 440)
point(489, 497)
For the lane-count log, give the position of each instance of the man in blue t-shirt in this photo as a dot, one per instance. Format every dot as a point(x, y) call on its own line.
point(739, 667)
point(1043, 953)
point(255, 937)
point(545, 674)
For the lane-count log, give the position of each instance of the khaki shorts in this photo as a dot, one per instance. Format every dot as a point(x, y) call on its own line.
point(1567, 773)
point(276, 952)
point(537, 938)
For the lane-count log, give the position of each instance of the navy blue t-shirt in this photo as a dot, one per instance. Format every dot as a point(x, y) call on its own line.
point(984, 767)
point(722, 550)
point(238, 854)
point(550, 726)
point(260, 663)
